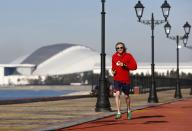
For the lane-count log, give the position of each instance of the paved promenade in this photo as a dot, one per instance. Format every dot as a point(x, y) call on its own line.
point(52, 115)
point(174, 116)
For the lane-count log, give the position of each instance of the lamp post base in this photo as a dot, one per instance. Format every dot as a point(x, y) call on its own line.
point(178, 92)
point(103, 104)
point(178, 96)
point(101, 109)
point(153, 100)
point(153, 94)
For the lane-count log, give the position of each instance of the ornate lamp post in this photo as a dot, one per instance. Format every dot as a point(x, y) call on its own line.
point(139, 8)
point(103, 103)
point(177, 38)
point(189, 47)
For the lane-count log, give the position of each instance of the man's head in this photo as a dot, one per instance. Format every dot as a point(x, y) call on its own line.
point(120, 47)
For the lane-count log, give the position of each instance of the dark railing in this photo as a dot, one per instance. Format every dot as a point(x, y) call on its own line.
point(144, 83)
point(162, 83)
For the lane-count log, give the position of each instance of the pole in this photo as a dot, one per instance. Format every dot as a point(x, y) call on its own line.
point(103, 103)
point(152, 93)
point(178, 89)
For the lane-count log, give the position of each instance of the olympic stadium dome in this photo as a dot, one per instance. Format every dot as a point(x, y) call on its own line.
point(59, 59)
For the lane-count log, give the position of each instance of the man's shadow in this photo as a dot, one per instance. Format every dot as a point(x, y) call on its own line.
point(151, 121)
point(147, 117)
point(110, 122)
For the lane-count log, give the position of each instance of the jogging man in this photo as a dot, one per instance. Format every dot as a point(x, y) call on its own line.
point(122, 63)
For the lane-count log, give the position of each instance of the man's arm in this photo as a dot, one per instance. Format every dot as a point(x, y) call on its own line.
point(131, 64)
point(113, 66)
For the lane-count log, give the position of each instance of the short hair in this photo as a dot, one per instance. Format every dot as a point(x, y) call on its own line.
point(121, 43)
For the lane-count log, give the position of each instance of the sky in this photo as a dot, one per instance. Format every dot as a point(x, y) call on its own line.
point(26, 25)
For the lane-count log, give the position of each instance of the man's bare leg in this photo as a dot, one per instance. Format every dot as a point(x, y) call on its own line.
point(118, 105)
point(128, 102)
point(117, 101)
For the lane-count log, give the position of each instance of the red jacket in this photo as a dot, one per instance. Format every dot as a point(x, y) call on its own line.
point(121, 73)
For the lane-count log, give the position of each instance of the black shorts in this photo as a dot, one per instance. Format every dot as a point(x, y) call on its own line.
point(119, 86)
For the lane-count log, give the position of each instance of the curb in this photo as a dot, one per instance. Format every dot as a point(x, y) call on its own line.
point(42, 99)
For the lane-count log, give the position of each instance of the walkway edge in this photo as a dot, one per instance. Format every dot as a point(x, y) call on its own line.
point(42, 99)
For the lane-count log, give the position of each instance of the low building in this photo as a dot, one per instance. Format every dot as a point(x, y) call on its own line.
point(16, 74)
point(161, 68)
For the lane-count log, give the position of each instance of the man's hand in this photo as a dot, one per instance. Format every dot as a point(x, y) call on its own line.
point(119, 63)
point(113, 72)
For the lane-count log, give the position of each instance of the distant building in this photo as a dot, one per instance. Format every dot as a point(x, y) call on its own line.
point(161, 68)
point(14, 74)
point(62, 59)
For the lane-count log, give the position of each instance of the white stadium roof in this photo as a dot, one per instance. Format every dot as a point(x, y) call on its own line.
point(62, 59)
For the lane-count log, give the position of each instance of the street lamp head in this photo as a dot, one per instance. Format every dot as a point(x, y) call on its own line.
point(165, 9)
point(185, 39)
point(139, 8)
point(187, 28)
point(167, 28)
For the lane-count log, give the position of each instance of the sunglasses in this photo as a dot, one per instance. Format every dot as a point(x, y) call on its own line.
point(119, 48)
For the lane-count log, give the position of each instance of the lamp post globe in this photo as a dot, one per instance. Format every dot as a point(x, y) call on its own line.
point(139, 8)
point(187, 28)
point(185, 40)
point(165, 9)
point(167, 28)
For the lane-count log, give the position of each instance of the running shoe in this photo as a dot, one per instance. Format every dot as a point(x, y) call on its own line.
point(129, 115)
point(117, 116)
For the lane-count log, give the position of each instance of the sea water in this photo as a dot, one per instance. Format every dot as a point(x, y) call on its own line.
point(7, 94)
